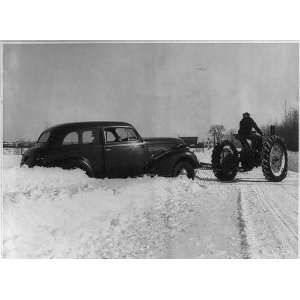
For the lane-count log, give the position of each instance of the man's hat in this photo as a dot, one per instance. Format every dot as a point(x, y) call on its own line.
point(246, 114)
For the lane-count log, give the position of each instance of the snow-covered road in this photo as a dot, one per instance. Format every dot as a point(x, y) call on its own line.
point(58, 213)
point(266, 213)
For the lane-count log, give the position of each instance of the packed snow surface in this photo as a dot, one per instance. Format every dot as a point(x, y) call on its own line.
point(55, 213)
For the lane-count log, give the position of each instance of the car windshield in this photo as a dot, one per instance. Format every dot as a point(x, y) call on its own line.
point(44, 137)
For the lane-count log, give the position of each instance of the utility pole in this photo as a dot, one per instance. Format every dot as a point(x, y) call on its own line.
point(285, 108)
point(215, 133)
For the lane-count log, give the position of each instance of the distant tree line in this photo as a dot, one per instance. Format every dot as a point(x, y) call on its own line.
point(18, 144)
point(216, 132)
point(287, 129)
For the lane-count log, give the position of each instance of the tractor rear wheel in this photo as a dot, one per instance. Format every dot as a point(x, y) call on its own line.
point(274, 159)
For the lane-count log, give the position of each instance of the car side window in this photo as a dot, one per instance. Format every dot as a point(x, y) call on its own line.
point(89, 136)
point(131, 135)
point(71, 138)
point(119, 134)
point(110, 135)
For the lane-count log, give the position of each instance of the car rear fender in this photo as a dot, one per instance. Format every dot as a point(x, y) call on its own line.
point(75, 161)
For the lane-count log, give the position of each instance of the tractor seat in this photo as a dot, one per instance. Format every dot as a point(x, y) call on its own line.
point(237, 136)
point(240, 138)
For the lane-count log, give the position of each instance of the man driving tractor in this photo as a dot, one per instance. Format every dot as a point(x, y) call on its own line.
point(271, 154)
point(245, 131)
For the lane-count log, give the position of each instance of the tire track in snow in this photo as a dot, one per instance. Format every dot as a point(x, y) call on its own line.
point(277, 215)
point(242, 227)
point(270, 233)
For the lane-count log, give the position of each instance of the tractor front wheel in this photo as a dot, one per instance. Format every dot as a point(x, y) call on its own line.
point(225, 161)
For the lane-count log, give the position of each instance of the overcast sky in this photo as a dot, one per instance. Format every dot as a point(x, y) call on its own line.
point(162, 89)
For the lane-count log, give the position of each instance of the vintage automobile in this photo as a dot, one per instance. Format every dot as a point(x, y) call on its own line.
point(110, 149)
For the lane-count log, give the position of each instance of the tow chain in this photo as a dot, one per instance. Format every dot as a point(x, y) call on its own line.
point(205, 166)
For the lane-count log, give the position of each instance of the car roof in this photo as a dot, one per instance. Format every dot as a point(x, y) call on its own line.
point(79, 125)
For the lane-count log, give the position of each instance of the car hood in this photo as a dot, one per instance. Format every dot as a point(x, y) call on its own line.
point(156, 145)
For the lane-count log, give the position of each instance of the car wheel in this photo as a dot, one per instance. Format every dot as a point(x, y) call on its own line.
point(184, 168)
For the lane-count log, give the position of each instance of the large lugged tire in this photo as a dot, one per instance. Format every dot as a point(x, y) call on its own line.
point(274, 159)
point(225, 161)
point(184, 168)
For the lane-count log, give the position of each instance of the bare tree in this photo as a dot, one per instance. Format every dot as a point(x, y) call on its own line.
point(229, 134)
point(288, 128)
point(216, 131)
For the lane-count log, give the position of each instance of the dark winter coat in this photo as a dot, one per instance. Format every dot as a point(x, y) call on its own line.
point(246, 125)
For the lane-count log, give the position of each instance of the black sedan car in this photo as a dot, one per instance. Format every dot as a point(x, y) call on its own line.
point(110, 149)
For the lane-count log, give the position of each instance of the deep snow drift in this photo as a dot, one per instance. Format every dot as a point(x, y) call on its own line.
point(60, 213)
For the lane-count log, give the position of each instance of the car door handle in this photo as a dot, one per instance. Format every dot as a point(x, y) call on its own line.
point(108, 149)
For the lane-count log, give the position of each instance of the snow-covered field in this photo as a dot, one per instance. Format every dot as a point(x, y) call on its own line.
point(51, 213)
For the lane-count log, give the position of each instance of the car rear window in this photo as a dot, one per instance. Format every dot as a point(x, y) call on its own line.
point(71, 138)
point(44, 137)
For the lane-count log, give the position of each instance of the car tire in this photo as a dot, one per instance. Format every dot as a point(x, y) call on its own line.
point(184, 168)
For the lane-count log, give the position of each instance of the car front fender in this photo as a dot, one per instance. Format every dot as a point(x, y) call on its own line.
point(164, 163)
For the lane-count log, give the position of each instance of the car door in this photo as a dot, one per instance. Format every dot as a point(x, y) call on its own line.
point(92, 149)
point(124, 152)
point(64, 145)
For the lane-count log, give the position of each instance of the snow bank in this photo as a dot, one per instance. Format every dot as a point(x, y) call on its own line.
point(52, 212)
point(60, 213)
